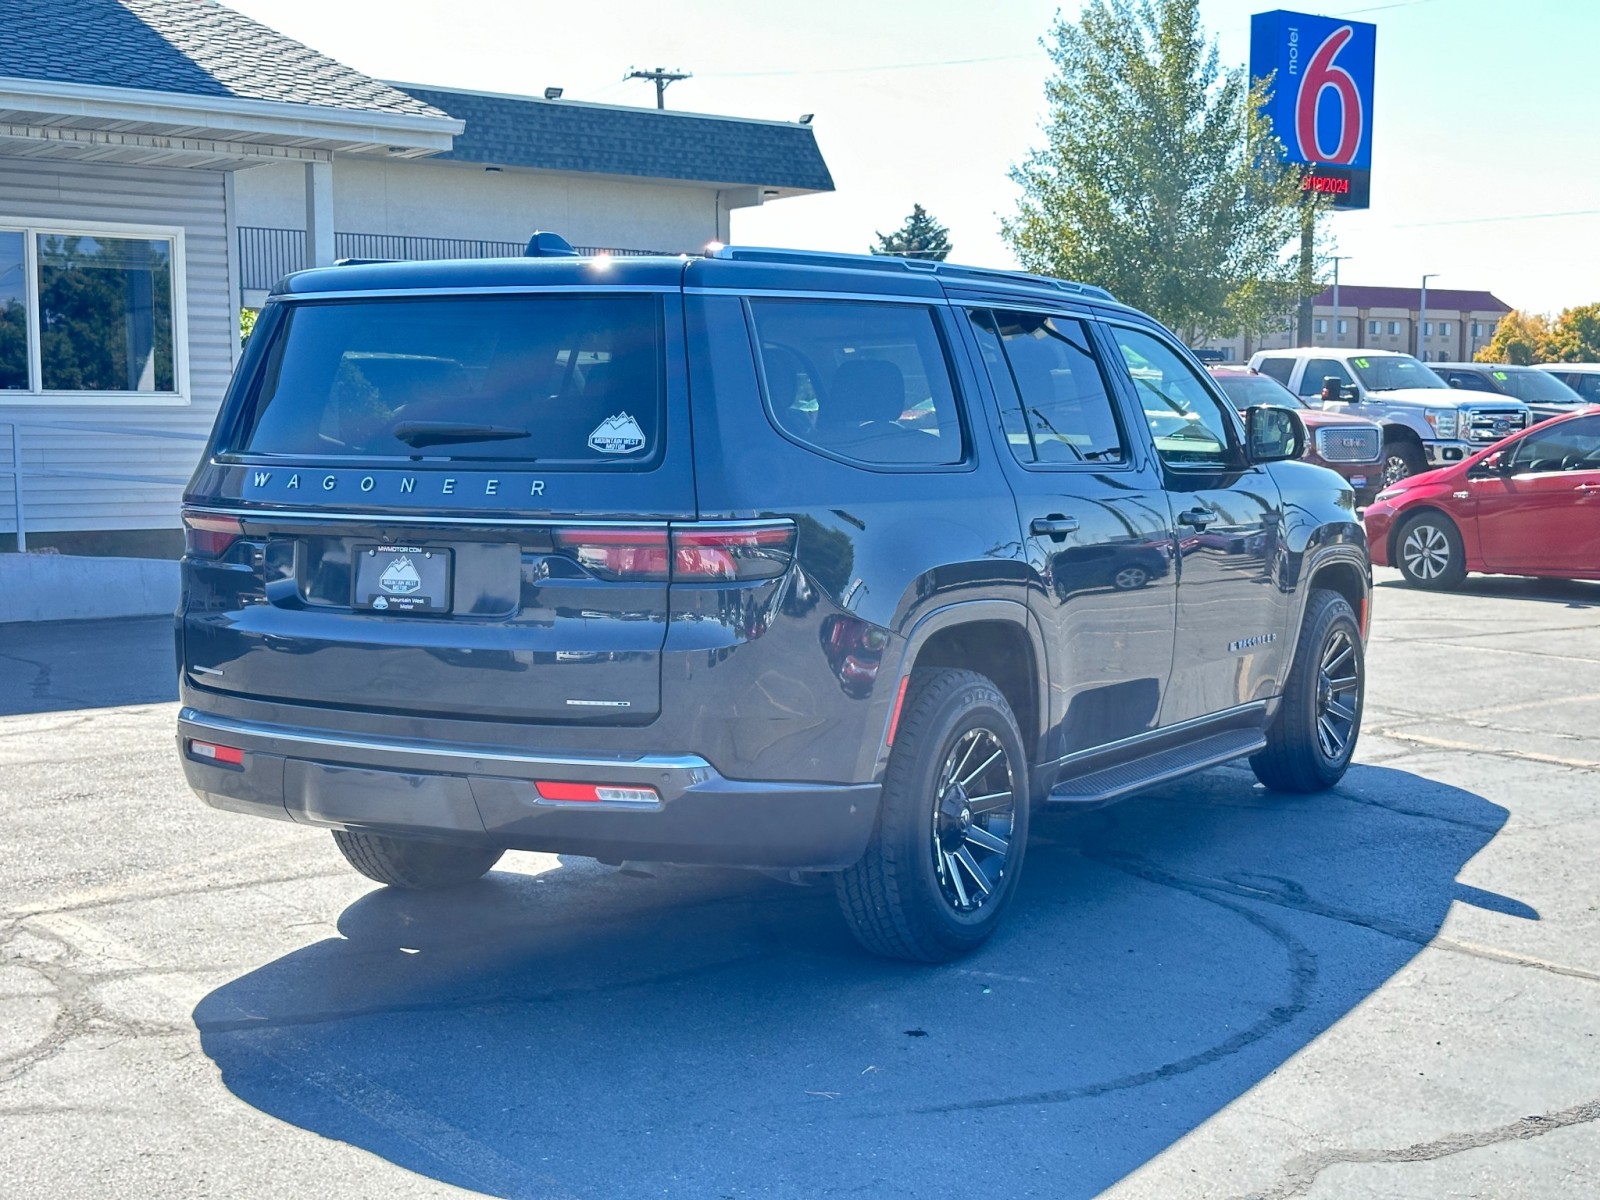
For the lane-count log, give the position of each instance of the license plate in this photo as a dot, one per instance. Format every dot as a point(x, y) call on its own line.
point(1358, 481)
point(402, 579)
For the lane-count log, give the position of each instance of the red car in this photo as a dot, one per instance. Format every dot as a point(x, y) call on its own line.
point(1352, 446)
point(1529, 505)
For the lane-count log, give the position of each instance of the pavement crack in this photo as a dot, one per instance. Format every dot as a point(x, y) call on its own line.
point(1301, 1174)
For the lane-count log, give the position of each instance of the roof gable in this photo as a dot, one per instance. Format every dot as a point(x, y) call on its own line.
point(184, 47)
point(565, 135)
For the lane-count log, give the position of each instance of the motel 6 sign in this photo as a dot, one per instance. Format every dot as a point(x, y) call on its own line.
point(1321, 98)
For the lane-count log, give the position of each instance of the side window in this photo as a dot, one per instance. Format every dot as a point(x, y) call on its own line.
point(1191, 426)
point(1319, 368)
point(1570, 446)
point(1469, 381)
point(1054, 402)
point(1279, 368)
point(859, 380)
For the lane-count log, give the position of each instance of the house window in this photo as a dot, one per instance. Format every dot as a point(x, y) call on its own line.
point(91, 314)
point(1444, 328)
point(1374, 328)
point(1427, 329)
point(1477, 331)
point(1394, 328)
point(1344, 326)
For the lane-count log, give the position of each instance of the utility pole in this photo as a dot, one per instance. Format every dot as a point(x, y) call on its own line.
point(660, 77)
point(1308, 268)
point(1422, 317)
point(1337, 259)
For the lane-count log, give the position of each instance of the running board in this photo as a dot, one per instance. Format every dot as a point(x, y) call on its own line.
point(1162, 766)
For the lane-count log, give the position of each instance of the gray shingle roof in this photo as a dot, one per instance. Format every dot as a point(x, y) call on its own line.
point(189, 47)
point(560, 135)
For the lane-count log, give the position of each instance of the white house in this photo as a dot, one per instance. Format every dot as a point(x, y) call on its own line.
point(163, 162)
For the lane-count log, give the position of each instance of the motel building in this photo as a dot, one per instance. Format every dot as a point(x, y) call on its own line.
point(164, 162)
point(1457, 324)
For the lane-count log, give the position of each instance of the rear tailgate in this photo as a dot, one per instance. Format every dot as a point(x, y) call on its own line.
point(448, 505)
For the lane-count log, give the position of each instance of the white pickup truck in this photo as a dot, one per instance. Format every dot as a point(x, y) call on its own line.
point(1426, 423)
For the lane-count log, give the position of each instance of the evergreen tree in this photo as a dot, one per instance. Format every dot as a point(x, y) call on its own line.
point(920, 237)
point(1160, 178)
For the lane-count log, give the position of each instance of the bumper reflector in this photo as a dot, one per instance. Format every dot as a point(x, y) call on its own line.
point(231, 755)
point(597, 793)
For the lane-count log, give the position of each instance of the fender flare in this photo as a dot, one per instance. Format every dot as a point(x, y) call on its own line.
point(968, 612)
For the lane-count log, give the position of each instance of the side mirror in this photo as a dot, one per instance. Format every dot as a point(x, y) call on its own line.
point(1498, 463)
point(1273, 434)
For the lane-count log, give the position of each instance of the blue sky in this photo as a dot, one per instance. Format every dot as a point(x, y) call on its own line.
point(1484, 109)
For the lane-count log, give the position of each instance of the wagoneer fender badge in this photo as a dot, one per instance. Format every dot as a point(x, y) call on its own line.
point(1250, 643)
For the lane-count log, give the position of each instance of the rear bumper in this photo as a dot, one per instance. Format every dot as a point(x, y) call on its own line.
point(488, 795)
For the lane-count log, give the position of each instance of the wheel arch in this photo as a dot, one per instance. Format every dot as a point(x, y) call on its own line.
point(999, 640)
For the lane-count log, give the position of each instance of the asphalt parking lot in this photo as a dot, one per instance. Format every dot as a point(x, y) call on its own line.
point(1392, 990)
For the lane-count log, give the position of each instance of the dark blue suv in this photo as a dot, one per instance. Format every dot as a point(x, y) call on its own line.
point(795, 561)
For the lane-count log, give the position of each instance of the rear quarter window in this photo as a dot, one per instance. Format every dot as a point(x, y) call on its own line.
point(546, 379)
point(858, 380)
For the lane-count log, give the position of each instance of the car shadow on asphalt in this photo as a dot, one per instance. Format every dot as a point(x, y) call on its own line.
point(702, 1033)
point(1573, 593)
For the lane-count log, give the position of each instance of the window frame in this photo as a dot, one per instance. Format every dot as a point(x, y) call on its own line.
point(36, 395)
point(1112, 389)
point(1237, 461)
point(938, 314)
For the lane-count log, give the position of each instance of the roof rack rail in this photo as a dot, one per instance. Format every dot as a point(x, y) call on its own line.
point(894, 262)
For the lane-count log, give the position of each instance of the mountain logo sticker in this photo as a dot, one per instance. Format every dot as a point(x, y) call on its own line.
point(617, 435)
point(400, 577)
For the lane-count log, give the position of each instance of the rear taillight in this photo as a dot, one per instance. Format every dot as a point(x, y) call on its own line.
point(206, 535)
point(616, 552)
point(228, 755)
point(686, 554)
point(597, 793)
point(732, 552)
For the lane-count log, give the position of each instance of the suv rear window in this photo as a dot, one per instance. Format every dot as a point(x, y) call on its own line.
point(859, 380)
point(545, 379)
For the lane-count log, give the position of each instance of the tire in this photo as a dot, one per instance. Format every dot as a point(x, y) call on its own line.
point(1429, 553)
point(1400, 459)
point(412, 863)
point(938, 874)
point(1314, 733)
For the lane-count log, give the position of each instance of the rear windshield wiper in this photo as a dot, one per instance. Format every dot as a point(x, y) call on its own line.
point(447, 433)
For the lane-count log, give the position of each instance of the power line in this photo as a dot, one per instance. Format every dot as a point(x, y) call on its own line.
point(1544, 216)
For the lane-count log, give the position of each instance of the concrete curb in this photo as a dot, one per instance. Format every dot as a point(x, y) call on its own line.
point(63, 587)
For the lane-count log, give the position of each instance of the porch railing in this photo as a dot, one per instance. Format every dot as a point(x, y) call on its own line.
point(18, 473)
point(267, 255)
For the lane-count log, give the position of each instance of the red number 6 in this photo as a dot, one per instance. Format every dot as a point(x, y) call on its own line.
point(1321, 73)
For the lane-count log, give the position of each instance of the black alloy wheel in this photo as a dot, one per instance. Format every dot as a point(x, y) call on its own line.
point(947, 851)
point(974, 819)
point(1313, 734)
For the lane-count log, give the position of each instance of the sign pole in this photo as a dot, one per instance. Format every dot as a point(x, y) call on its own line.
point(1308, 269)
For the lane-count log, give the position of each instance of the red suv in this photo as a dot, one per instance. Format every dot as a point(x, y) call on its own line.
point(1529, 505)
point(1352, 446)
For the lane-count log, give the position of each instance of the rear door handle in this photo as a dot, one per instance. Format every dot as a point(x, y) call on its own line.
point(1197, 517)
point(1054, 526)
point(1587, 487)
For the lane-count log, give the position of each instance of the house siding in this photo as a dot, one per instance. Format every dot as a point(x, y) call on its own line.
point(62, 193)
point(453, 200)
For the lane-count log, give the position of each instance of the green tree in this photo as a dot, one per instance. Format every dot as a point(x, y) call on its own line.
point(920, 237)
point(1520, 339)
point(1160, 178)
point(1575, 337)
point(247, 324)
